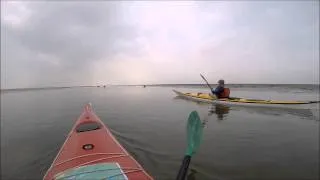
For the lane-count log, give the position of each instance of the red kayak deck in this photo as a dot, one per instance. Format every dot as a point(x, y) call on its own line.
point(90, 142)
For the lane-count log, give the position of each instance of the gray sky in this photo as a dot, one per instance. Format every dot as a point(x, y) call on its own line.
point(85, 43)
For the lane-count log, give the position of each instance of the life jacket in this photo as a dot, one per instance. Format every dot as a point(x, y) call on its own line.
point(225, 93)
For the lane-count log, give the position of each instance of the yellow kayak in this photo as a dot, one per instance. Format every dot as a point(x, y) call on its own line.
point(206, 97)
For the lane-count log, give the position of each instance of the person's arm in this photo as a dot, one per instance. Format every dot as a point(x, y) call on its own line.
point(213, 91)
point(218, 90)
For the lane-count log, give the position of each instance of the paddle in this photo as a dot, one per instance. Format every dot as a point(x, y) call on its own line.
point(194, 136)
point(206, 82)
point(208, 85)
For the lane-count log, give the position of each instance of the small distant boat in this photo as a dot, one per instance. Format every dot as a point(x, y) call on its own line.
point(144, 86)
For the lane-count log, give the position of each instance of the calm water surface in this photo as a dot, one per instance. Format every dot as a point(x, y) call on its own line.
point(238, 142)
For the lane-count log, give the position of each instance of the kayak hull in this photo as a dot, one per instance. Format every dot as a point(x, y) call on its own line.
point(90, 143)
point(207, 98)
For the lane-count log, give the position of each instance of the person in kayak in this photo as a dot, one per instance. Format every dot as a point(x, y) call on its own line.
point(220, 91)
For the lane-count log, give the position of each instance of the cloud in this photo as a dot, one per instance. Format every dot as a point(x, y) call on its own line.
point(58, 42)
point(73, 43)
point(272, 43)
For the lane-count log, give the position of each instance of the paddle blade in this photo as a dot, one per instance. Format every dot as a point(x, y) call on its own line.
point(194, 133)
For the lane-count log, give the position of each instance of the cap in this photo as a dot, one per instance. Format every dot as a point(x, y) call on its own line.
point(221, 81)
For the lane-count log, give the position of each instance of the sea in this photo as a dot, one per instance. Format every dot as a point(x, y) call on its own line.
point(238, 143)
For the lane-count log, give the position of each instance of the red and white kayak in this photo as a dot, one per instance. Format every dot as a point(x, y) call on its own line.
point(91, 152)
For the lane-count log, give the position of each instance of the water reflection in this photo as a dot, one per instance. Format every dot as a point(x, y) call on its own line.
point(220, 110)
point(192, 174)
point(273, 111)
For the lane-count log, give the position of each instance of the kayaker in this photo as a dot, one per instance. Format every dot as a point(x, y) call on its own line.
point(219, 92)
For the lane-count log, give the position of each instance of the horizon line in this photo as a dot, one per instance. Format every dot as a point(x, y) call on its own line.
point(167, 84)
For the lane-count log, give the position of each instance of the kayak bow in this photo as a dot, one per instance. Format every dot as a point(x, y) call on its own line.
point(91, 152)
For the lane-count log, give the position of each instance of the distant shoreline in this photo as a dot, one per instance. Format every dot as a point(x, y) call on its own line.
point(40, 88)
point(167, 85)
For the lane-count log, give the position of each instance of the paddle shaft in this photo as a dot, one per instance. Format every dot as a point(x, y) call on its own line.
point(184, 168)
point(206, 82)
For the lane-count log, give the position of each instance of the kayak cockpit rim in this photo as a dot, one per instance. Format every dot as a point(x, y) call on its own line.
point(115, 155)
point(123, 171)
point(88, 126)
